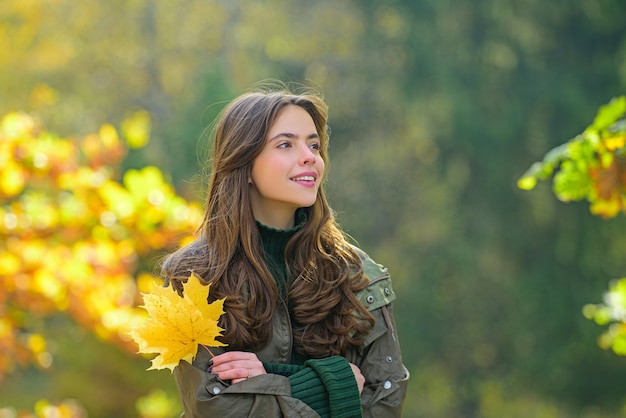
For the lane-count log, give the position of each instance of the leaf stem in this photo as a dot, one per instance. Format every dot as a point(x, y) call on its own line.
point(207, 349)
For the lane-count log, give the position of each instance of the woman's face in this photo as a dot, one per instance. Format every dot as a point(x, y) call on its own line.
point(287, 173)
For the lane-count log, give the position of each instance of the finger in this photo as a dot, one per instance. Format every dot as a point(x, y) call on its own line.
point(236, 375)
point(235, 364)
point(233, 381)
point(232, 356)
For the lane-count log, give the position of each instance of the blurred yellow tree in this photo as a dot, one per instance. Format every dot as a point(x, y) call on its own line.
point(75, 233)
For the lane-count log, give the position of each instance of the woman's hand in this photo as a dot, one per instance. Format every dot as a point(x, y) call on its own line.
point(360, 380)
point(236, 366)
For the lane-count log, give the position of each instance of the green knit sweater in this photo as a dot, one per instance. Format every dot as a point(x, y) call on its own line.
point(327, 385)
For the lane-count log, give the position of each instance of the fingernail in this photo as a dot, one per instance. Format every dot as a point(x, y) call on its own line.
point(210, 362)
point(209, 370)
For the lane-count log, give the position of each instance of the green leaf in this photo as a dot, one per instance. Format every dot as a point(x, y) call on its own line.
point(610, 113)
point(571, 183)
point(527, 182)
point(619, 345)
point(543, 170)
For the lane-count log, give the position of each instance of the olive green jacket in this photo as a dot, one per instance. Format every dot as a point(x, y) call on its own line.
point(269, 395)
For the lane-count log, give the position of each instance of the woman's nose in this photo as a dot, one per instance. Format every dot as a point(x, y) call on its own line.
point(307, 156)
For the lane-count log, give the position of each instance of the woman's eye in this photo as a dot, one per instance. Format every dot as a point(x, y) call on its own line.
point(284, 145)
point(315, 146)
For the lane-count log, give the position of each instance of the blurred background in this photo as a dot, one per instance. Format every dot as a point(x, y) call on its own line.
point(437, 107)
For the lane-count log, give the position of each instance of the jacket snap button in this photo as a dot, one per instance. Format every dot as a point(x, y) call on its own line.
point(387, 384)
point(389, 359)
point(387, 291)
point(216, 390)
point(370, 299)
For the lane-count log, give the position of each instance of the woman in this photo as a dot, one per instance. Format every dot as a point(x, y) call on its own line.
point(308, 318)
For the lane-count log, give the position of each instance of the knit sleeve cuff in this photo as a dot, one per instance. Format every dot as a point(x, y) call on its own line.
point(338, 379)
point(282, 369)
point(306, 385)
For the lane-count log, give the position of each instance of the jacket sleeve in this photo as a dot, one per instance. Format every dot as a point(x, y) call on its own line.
point(204, 395)
point(380, 358)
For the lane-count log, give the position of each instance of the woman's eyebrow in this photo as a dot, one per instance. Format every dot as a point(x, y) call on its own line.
point(291, 135)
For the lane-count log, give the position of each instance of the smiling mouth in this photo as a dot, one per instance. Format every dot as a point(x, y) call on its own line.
point(303, 178)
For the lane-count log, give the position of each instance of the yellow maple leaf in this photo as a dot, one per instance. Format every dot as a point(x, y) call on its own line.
point(177, 325)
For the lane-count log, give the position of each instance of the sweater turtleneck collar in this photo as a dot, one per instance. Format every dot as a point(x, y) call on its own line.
point(274, 243)
point(275, 240)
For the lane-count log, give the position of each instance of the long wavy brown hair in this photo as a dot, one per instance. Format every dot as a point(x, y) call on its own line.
point(325, 270)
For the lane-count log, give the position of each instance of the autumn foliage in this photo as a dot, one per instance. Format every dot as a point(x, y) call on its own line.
point(77, 235)
point(592, 167)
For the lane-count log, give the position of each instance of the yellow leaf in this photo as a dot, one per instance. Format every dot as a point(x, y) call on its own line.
point(12, 179)
point(136, 129)
point(615, 142)
point(198, 294)
point(108, 136)
point(36, 343)
point(175, 326)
